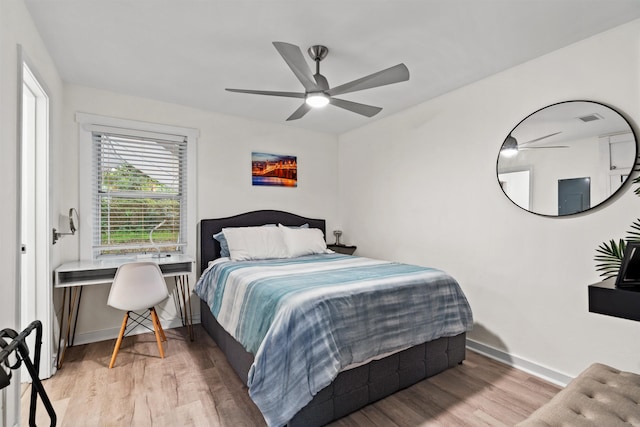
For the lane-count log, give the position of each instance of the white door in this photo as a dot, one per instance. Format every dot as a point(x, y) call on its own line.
point(516, 186)
point(35, 286)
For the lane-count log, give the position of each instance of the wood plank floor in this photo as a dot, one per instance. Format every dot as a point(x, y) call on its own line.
point(195, 386)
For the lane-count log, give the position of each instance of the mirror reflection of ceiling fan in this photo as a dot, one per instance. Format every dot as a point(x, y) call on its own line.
point(317, 91)
point(511, 146)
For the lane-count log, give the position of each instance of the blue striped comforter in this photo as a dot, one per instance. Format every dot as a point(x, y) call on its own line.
point(305, 319)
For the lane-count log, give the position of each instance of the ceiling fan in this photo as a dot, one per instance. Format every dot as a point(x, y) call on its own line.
point(317, 92)
point(511, 146)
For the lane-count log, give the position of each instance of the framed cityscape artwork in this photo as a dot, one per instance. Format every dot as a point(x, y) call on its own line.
point(274, 170)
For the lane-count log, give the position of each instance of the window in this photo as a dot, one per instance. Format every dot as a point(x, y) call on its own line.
point(137, 188)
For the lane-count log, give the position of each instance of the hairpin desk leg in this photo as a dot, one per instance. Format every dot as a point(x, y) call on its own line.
point(64, 302)
point(77, 312)
point(74, 300)
point(184, 293)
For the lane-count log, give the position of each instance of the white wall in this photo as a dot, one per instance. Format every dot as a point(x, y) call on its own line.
point(421, 187)
point(17, 28)
point(223, 180)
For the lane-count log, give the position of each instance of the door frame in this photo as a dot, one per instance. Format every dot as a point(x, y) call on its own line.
point(42, 251)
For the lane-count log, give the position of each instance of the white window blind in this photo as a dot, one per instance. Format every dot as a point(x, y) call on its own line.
point(139, 191)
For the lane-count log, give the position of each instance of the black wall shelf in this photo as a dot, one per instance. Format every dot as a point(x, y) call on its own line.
point(605, 298)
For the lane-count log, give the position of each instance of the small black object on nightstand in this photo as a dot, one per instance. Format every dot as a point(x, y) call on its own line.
point(342, 249)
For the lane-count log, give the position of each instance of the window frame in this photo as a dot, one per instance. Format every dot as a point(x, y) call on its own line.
point(88, 123)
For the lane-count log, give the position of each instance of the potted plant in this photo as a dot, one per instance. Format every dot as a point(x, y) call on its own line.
point(609, 254)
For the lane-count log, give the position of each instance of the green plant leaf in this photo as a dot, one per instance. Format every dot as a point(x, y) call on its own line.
point(634, 234)
point(609, 257)
point(636, 180)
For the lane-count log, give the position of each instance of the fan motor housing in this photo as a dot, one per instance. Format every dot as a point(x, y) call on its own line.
point(318, 52)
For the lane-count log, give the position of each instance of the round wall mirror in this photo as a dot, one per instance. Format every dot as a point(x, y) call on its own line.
point(566, 158)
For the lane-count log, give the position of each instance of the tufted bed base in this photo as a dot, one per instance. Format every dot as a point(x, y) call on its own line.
point(599, 396)
point(357, 387)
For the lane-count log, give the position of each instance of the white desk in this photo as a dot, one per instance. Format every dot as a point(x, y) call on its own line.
point(75, 275)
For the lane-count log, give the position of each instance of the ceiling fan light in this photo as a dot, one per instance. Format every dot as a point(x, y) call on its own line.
point(510, 147)
point(317, 99)
point(509, 152)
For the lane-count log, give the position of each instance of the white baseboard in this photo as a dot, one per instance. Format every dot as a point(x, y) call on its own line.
point(527, 366)
point(109, 334)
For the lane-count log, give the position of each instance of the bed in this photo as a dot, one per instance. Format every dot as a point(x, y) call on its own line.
point(365, 377)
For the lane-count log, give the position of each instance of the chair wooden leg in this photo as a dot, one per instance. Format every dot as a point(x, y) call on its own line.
point(157, 328)
point(162, 335)
point(119, 341)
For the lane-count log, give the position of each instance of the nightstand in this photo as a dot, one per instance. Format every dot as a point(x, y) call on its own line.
point(342, 249)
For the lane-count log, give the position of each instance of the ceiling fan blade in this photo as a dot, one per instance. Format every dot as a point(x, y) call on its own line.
point(540, 139)
point(295, 60)
point(539, 148)
point(395, 74)
point(365, 110)
point(301, 111)
point(269, 92)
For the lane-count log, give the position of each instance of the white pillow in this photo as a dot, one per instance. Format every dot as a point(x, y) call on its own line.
point(303, 241)
point(249, 243)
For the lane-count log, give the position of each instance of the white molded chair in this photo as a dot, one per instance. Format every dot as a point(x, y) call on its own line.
point(138, 286)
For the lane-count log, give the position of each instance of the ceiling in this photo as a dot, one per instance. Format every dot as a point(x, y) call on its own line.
point(188, 51)
point(562, 123)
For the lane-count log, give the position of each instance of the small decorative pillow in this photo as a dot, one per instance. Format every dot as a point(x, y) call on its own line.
point(303, 241)
point(252, 243)
point(224, 247)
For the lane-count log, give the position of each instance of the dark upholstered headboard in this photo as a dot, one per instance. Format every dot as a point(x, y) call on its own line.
point(210, 248)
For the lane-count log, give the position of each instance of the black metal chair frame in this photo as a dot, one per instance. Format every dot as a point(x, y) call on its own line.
point(18, 347)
